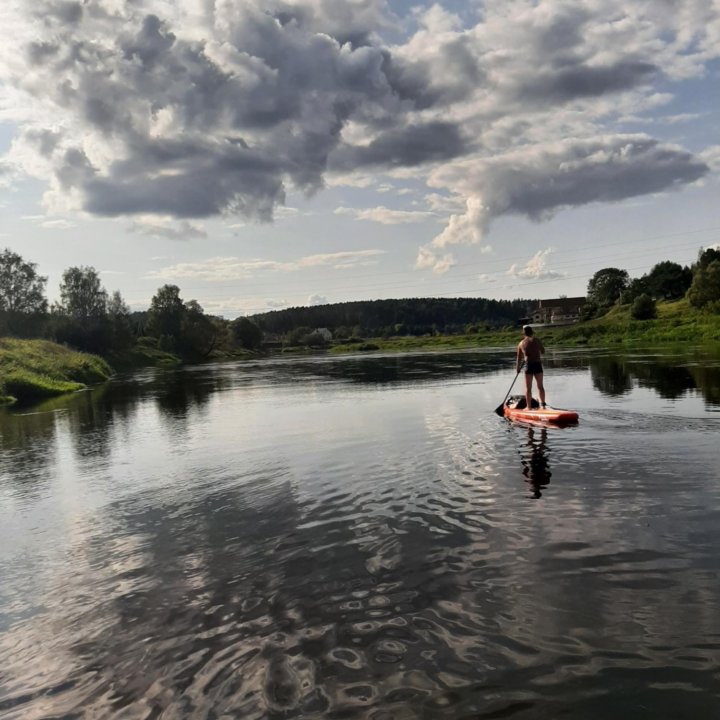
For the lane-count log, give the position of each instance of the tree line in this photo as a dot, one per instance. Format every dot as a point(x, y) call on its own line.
point(409, 316)
point(667, 280)
point(89, 318)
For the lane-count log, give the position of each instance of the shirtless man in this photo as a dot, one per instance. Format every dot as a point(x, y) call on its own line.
point(530, 350)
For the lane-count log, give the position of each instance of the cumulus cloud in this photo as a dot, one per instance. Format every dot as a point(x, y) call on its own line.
point(427, 259)
point(340, 260)
point(167, 228)
point(711, 156)
point(443, 203)
point(386, 216)
point(276, 304)
point(536, 268)
point(317, 300)
point(232, 307)
point(195, 109)
point(57, 224)
point(404, 147)
point(222, 269)
point(7, 173)
point(539, 180)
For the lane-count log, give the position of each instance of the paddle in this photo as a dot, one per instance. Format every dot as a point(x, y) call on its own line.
point(499, 409)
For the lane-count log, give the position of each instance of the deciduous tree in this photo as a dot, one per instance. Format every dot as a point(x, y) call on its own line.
point(118, 315)
point(199, 333)
point(166, 313)
point(705, 288)
point(82, 296)
point(246, 333)
point(668, 280)
point(22, 290)
point(606, 285)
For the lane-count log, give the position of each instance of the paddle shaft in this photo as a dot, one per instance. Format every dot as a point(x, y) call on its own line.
point(499, 408)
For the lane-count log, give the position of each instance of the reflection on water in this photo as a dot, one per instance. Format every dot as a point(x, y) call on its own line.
point(348, 538)
point(670, 376)
point(536, 467)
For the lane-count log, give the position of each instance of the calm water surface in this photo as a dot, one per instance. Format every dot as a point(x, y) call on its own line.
point(364, 538)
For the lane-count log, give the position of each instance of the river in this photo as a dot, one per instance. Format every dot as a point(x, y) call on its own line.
point(362, 537)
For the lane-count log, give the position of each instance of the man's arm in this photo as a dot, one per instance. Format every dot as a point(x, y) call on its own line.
point(520, 357)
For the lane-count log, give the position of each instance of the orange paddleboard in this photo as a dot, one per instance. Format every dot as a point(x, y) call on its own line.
point(545, 416)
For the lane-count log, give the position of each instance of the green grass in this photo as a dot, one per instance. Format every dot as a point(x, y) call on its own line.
point(435, 342)
point(31, 370)
point(676, 324)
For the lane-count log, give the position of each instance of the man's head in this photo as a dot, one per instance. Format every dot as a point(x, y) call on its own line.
point(527, 330)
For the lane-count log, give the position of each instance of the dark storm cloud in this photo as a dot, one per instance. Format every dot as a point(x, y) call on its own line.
point(46, 141)
point(537, 182)
point(151, 42)
point(195, 181)
point(69, 13)
point(286, 89)
point(39, 52)
point(405, 147)
point(347, 22)
point(582, 81)
point(203, 108)
point(604, 171)
point(453, 73)
point(75, 169)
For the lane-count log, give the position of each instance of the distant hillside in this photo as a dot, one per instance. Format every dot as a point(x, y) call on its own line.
point(413, 316)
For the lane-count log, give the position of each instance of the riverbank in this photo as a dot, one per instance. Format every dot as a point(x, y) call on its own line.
point(31, 370)
point(676, 323)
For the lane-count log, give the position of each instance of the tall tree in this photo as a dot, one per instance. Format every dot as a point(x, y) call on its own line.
point(668, 280)
point(705, 288)
point(199, 333)
point(118, 315)
point(22, 290)
point(705, 257)
point(636, 287)
point(246, 333)
point(606, 285)
point(165, 316)
point(82, 296)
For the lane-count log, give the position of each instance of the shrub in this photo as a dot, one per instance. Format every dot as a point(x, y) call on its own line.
point(643, 308)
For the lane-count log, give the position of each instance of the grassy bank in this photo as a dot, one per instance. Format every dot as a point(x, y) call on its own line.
point(436, 342)
point(677, 323)
point(34, 369)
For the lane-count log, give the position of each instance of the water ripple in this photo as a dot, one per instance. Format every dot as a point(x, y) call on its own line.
point(360, 547)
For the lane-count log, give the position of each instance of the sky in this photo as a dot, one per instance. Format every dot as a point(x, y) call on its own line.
point(263, 154)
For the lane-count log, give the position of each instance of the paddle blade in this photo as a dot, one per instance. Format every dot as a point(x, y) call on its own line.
point(500, 410)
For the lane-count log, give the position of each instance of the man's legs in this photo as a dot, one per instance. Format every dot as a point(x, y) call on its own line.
point(541, 388)
point(528, 390)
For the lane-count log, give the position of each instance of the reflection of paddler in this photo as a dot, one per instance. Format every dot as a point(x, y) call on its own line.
point(536, 467)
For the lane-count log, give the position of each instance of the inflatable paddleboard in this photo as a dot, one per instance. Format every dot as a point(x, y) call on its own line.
point(514, 409)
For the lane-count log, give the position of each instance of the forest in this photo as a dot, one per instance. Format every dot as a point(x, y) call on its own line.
point(410, 316)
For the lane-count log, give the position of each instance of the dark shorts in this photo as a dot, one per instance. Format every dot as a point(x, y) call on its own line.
point(533, 368)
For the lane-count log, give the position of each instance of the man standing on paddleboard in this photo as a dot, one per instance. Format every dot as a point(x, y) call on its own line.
point(530, 351)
